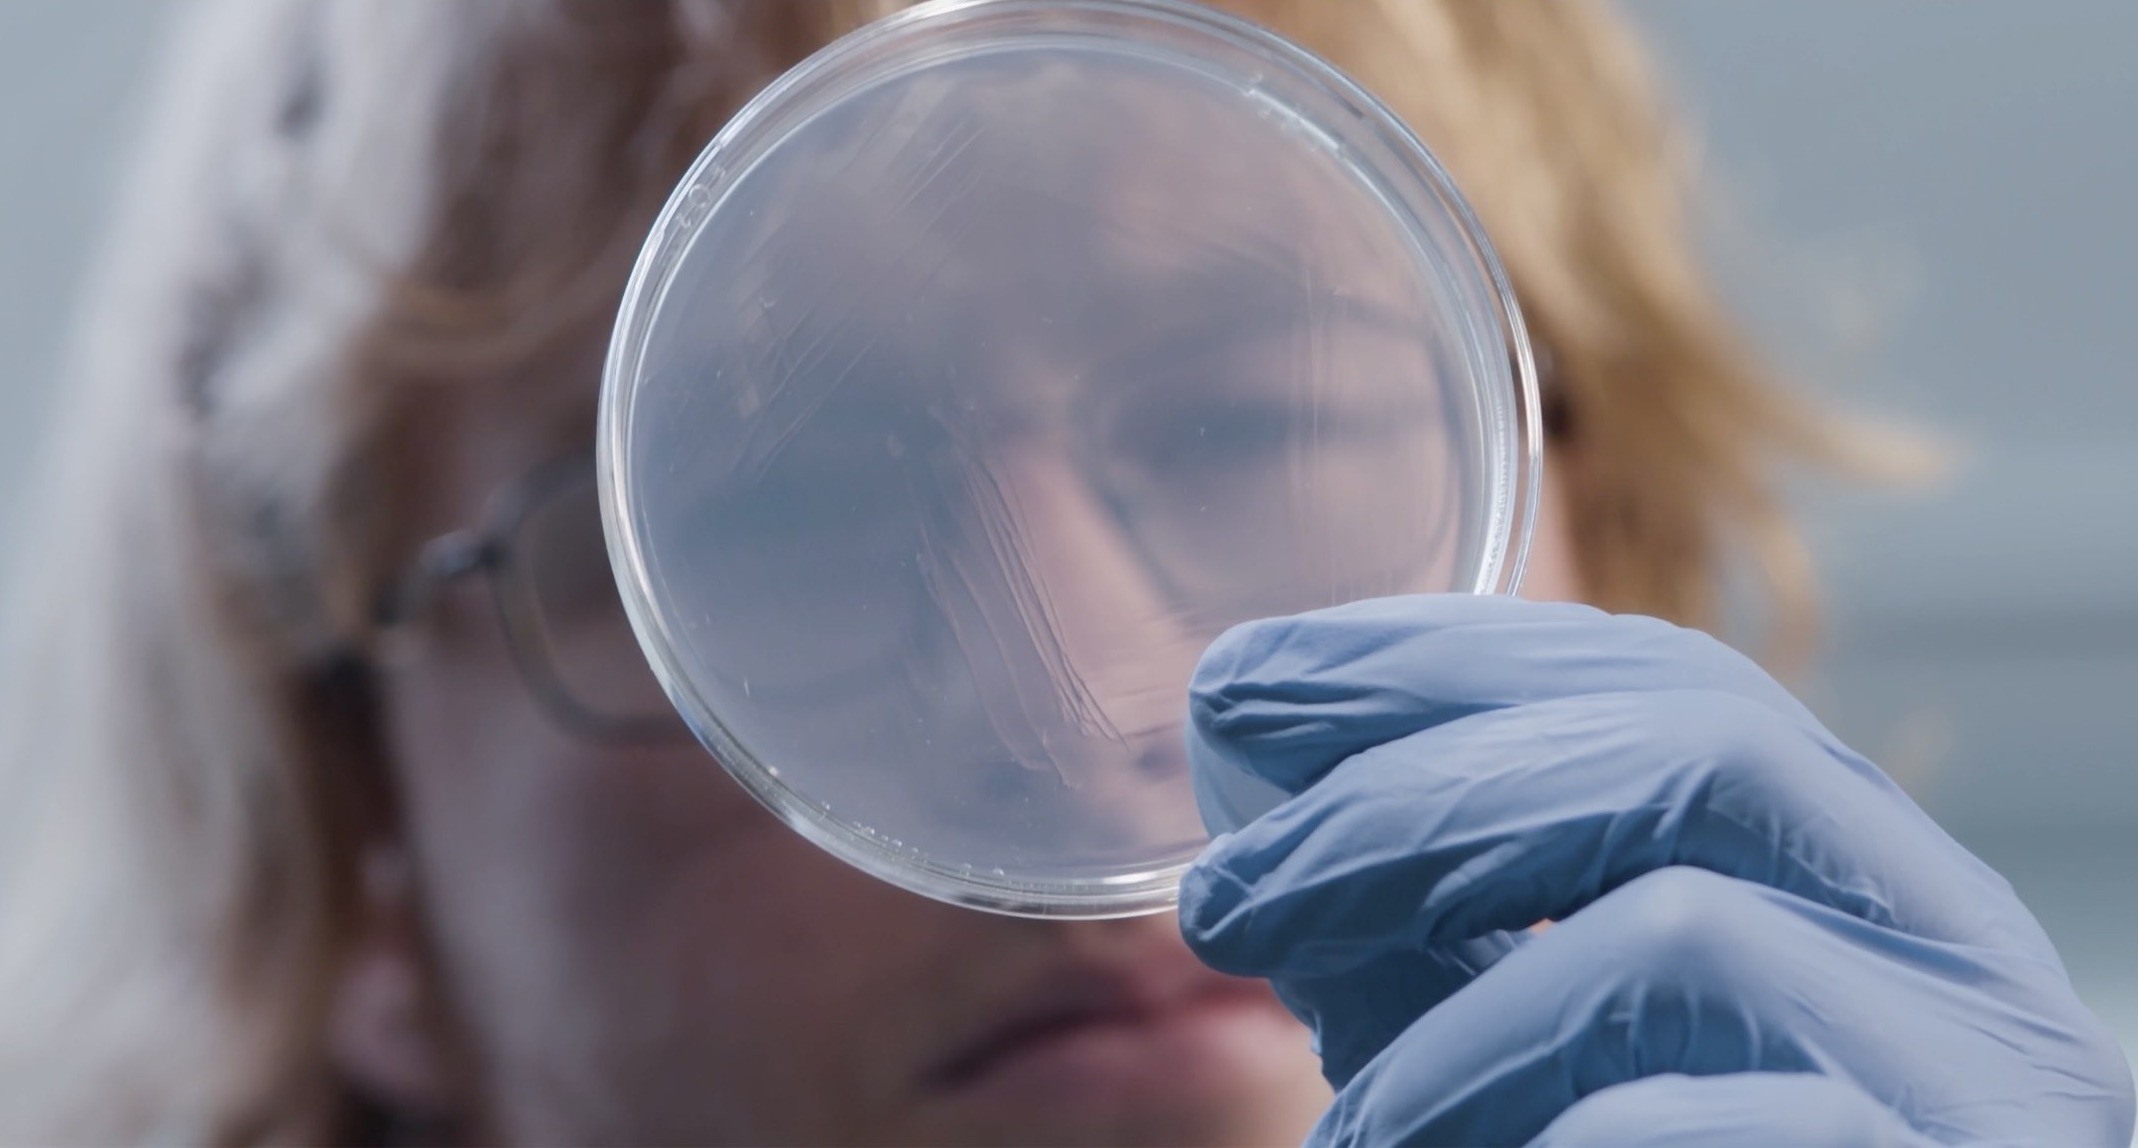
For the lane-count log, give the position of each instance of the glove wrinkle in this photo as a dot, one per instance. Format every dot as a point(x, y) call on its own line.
point(1758, 937)
point(1676, 1110)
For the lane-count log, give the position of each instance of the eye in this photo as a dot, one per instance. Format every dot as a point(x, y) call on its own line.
point(1232, 435)
point(1556, 411)
point(836, 475)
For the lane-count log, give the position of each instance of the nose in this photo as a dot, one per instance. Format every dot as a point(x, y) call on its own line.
point(1125, 653)
point(1094, 659)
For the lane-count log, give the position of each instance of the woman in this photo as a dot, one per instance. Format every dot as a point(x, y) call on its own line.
point(278, 871)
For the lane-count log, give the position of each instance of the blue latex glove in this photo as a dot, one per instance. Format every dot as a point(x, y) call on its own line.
point(1760, 939)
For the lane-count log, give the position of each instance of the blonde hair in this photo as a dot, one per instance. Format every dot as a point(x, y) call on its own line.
point(1550, 117)
point(348, 202)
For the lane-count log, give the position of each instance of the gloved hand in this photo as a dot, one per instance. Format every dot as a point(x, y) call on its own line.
point(1759, 938)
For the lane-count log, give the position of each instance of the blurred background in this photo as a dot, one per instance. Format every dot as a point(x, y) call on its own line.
point(1927, 215)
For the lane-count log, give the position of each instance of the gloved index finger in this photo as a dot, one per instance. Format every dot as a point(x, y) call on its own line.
point(1532, 812)
point(1286, 699)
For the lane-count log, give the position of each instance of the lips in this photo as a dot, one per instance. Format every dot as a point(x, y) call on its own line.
point(1117, 1017)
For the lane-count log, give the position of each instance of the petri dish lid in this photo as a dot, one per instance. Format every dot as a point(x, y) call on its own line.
point(986, 367)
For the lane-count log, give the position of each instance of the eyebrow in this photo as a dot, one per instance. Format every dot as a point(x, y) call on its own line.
point(1271, 317)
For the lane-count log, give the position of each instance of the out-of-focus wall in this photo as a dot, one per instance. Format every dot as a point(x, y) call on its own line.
point(72, 81)
point(1936, 219)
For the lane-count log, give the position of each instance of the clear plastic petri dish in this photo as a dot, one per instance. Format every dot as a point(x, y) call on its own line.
point(993, 361)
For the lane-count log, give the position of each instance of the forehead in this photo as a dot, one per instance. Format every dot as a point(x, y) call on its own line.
point(1026, 212)
point(1027, 217)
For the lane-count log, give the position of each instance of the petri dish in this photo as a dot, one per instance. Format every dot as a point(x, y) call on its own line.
point(988, 365)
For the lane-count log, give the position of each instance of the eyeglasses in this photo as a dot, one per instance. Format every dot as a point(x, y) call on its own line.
point(540, 550)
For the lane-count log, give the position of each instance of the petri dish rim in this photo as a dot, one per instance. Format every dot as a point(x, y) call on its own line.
point(1399, 169)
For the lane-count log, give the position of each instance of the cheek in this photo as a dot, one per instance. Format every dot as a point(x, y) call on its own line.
point(1552, 574)
point(632, 922)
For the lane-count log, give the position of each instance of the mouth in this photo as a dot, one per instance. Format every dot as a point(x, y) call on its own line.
point(1080, 1030)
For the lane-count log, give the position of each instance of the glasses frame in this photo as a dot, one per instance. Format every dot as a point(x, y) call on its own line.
point(492, 550)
